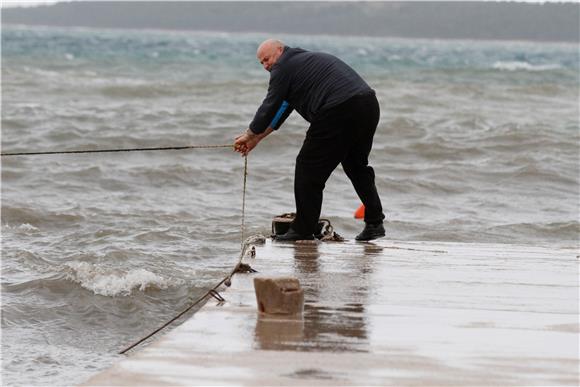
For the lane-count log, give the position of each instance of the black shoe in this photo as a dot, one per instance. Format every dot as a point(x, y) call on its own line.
point(370, 232)
point(292, 235)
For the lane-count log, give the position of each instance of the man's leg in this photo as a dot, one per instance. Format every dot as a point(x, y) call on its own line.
point(356, 166)
point(323, 149)
point(362, 177)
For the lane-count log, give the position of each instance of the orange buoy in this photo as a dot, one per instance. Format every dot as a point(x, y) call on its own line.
point(360, 212)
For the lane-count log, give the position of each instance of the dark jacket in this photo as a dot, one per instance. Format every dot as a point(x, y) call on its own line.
point(308, 82)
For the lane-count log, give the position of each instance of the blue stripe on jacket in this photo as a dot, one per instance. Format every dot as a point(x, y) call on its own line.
point(278, 115)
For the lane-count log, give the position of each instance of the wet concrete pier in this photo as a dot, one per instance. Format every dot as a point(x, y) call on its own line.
point(383, 313)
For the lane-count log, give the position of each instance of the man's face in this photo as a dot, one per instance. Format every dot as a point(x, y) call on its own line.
point(268, 56)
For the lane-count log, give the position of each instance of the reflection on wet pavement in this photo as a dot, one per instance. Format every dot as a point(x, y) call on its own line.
point(384, 313)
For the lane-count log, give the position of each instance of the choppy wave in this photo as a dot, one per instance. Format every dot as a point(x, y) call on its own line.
point(24, 228)
point(112, 283)
point(13, 216)
point(504, 233)
point(542, 231)
point(519, 66)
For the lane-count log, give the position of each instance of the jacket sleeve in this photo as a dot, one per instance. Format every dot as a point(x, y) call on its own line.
point(274, 109)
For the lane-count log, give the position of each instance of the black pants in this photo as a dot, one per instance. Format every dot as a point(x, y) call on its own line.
point(343, 135)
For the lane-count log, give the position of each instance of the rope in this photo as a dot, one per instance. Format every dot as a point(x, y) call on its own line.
point(244, 201)
point(244, 243)
point(212, 291)
point(118, 150)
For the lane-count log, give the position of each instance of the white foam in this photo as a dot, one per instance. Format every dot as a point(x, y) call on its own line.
point(517, 66)
point(108, 283)
point(24, 228)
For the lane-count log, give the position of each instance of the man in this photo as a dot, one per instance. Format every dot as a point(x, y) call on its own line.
point(343, 113)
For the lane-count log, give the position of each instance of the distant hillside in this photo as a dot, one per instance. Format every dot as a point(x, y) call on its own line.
point(444, 20)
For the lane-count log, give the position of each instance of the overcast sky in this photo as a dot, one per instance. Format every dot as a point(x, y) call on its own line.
point(21, 3)
point(31, 3)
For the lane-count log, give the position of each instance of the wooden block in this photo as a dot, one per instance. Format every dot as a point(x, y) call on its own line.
point(281, 295)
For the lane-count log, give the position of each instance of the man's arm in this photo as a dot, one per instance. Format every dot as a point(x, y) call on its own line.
point(248, 140)
point(274, 104)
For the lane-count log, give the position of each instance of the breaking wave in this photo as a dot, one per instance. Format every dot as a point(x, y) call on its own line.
point(113, 283)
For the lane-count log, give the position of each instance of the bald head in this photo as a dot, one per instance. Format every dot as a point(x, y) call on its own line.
point(269, 52)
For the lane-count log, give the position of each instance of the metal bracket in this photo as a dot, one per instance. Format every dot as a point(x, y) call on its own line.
point(216, 295)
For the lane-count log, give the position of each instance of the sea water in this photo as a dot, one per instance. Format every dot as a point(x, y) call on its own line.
point(478, 142)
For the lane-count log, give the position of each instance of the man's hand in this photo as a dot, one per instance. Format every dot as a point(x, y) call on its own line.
point(245, 142)
point(248, 140)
